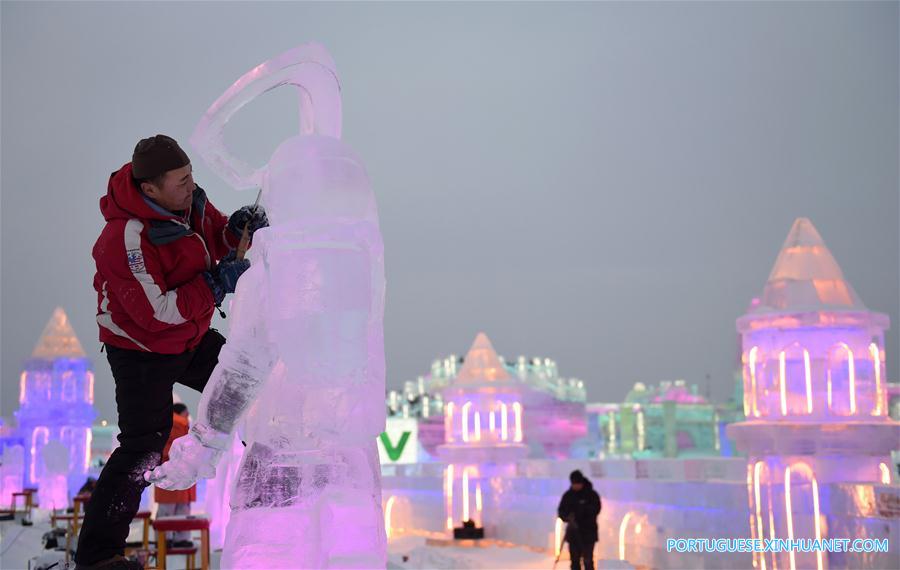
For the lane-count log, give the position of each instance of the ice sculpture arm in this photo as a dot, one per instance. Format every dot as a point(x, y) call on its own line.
point(131, 267)
point(310, 69)
point(244, 364)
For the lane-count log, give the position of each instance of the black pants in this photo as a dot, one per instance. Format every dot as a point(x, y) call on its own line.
point(144, 383)
point(581, 551)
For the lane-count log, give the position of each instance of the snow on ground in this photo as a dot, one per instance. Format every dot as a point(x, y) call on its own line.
point(412, 553)
point(421, 556)
point(19, 544)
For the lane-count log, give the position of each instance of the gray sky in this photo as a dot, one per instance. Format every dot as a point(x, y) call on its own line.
point(604, 184)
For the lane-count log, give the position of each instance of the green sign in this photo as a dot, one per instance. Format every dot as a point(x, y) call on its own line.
point(394, 452)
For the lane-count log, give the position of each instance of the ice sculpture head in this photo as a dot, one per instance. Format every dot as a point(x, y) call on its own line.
point(308, 68)
point(317, 180)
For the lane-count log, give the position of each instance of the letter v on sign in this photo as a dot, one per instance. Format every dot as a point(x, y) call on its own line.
point(393, 452)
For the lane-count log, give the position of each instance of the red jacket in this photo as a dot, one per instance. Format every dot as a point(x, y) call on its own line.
point(151, 293)
point(180, 428)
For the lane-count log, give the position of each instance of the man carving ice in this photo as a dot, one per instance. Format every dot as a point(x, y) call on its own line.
point(305, 359)
point(158, 282)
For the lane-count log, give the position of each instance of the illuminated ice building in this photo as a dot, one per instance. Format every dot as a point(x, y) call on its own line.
point(56, 395)
point(818, 435)
point(555, 405)
point(816, 444)
point(483, 435)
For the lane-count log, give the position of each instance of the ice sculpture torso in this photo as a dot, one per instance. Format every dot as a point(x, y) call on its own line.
point(305, 351)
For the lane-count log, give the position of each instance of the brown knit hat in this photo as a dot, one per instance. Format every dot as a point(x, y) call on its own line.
point(157, 155)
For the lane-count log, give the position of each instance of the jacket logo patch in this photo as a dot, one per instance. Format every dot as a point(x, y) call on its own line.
point(135, 261)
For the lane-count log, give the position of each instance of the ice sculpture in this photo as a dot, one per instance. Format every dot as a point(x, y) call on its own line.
point(815, 400)
point(306, 346)
point(56, 397)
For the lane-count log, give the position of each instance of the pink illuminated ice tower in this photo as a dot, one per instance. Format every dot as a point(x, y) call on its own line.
point(56, 397)
point(815, 402)
point(483, 427)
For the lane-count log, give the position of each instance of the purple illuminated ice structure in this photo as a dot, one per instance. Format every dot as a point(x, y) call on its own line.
point(305, 353)
point(815, 398)
point(484, 427)
point(56, 395)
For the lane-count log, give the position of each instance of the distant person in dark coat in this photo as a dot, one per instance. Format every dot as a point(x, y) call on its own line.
point(579, 508)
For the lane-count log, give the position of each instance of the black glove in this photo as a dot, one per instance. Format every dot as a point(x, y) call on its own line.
point(224, 276)
point(257, 219)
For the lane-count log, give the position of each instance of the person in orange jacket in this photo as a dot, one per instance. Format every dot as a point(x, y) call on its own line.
point(176, 503)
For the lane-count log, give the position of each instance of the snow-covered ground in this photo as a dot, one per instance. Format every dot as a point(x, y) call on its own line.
point(19, 544)
point(414, 553)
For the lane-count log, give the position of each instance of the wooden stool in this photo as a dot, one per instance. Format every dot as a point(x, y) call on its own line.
point(176, 524)
point(27, 501)
point(77, 502)
point(74, 517)
point(61, 517)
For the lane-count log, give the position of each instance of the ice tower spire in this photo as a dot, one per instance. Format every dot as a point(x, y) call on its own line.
point(58, 339)
point(806, 277)
point(482, 362)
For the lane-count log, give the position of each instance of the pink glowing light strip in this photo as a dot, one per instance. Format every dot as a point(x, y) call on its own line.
point(876, 360)
point(387, 515)
point(623, 526)
point(756, 475)
point(448, 422)
point(753, 395)
point(851, 372)
point(789, 507)
point(449, 492)
point(465, 421)
point(465, 494)
point(478, 505)
point(808, 374)
point(782, 382)
point(89, 438)
point(754, 532)
point(517, 411)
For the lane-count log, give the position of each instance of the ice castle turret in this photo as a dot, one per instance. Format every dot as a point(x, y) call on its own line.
point(483, 414)
point(483, 437)
point(815, 401)
point(56, 396)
